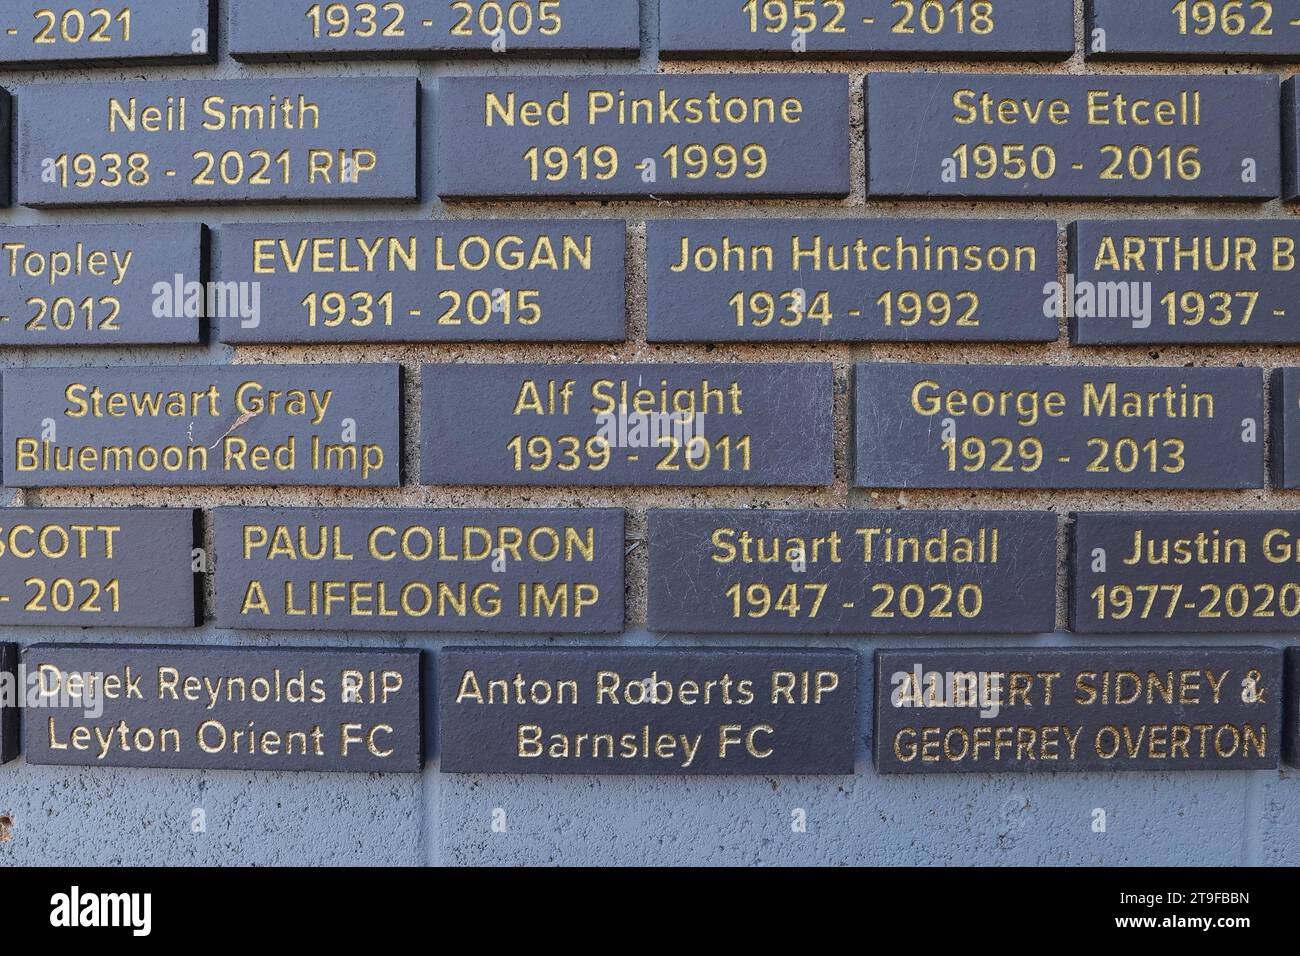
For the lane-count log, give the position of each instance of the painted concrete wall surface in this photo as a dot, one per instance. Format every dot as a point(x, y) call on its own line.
point(114, 817)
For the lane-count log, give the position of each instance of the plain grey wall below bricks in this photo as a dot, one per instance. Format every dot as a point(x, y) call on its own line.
point(121, 817)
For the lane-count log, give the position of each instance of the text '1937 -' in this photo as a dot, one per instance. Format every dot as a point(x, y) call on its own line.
point(1182, 282)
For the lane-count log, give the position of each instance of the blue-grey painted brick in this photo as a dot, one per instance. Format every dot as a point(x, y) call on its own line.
point(35, 33)
point(274, 139)
point(418, 29)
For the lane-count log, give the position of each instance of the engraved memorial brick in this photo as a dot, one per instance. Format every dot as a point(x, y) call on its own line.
point(640, 424)
point(101, 285)
point(1284, 419)
point(1033, 709)
point(6, 152)
point(1224, 572)
point(852, 572)
point(965, 29)
point(275, 139)
point(225, 708)
point(9, 739)
point(452, 281)
point(1191, 30)
point(1291, 708)
point(846, 280)
point(1026, 426)
point(642, 136)
point(668, 711)
point(410, 29)
point(931, 135)
point(336, 425)
point(97, 567)
point(37, 33)
point(483, 570)
point(1183, 282)
point(1290, 139)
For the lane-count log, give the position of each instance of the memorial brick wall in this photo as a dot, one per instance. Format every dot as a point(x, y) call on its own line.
point(434, 431)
